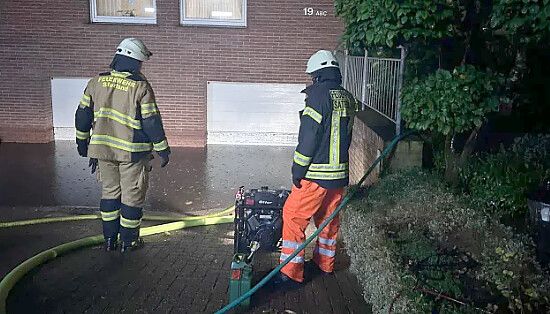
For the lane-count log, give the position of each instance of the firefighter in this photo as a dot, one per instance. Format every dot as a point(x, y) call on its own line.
point(118, 124)
point(320, 167)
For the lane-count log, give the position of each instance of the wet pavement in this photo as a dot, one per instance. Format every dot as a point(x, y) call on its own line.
point(184, 271)
point(195, 179)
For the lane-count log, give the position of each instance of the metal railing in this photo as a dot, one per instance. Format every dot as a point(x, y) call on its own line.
point(377, 82)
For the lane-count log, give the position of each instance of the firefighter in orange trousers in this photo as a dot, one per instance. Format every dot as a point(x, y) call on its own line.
point(320, 168)
point(118, 125)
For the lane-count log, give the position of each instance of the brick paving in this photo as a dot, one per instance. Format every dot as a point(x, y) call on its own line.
point(185, 271)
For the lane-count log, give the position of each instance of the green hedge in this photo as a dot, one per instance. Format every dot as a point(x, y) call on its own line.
point(412, 233)
point(498, 183)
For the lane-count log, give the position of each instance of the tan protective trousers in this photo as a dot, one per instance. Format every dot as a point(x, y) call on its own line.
point(127, 181)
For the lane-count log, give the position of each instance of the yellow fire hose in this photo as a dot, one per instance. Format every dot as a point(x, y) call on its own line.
point(9, 281)
point(19, 223)
point(217, 218)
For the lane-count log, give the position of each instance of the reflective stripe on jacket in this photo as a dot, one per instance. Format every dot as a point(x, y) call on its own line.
point(120, 110)
point(325, 135)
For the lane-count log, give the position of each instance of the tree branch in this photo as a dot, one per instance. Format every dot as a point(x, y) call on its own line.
point(469, 146)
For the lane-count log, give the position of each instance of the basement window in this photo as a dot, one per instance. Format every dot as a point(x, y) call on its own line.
point(123, 11)
point(224, 13)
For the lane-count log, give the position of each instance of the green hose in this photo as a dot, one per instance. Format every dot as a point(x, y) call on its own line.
point(9, 281)
point(349, 195)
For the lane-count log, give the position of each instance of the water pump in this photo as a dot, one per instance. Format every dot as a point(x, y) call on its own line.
point(258, 219)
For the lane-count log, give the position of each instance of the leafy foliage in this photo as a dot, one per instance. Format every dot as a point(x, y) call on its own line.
point(450, 103)
point(498, 183)
point(506, 36)
point(523, 21)
point(371, 23)
point(432, 266)
point(388, 22)
point(400, 237)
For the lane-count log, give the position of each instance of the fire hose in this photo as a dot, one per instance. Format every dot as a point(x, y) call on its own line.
point(222, 217)
point(9, 281)
point(344, 202)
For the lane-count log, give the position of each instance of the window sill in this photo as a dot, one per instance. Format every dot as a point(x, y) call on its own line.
point(218, 24)
point(124, 21)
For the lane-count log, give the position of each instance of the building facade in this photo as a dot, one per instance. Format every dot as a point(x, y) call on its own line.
point(57, 39)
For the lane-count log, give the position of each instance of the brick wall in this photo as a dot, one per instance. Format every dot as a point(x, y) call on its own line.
point(372, 133)
point(363, 151)
point(55, 39)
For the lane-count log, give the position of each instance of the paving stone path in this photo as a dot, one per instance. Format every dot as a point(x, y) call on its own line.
point(185, 271)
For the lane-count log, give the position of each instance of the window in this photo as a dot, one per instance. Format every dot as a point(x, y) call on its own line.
point(230, 13)
point(123, 11)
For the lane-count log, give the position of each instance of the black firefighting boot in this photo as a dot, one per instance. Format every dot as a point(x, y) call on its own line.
point(132, 246)
point(282, 282)
point(312, 270)
point(110, 216)
point(130, 222)
point(111, 244)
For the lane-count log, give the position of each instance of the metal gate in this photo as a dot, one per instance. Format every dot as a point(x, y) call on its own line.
point(377, 82)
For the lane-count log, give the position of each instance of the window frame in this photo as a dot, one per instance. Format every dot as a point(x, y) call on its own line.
point(94, 18)
point(242, 23)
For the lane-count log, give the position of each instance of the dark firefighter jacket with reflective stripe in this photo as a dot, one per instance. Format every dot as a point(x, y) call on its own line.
point(120, 110)
point(325, 135)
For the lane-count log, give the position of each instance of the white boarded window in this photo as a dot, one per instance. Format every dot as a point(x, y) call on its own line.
point(123, 11)
point(231, 13)
point(66, 94)
point(240, 113)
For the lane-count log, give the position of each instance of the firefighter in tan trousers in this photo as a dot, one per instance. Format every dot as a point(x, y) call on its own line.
point(320, 168)
point(118, 124)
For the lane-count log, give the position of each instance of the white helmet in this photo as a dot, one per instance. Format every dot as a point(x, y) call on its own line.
point(133, 48)
point(321, 59)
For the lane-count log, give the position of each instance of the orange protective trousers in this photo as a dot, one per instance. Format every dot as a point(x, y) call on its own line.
point(311, 200)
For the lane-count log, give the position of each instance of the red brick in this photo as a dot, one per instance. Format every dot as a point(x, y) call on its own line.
point(43, 41)
point(363, 152)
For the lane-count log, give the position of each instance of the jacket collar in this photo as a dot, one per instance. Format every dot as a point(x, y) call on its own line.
point(326, 77)
point(120, 74)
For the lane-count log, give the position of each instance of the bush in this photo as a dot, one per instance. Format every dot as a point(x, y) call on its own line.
point(387, 23)
point(413, 233)
point(498, 182)
point(450, 103)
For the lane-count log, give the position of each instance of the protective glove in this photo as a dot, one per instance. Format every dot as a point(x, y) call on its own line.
point(296, 182)
point(164, 161)
point(93, 163)
point(164, 156)
point(82, 149)
point(298, 173)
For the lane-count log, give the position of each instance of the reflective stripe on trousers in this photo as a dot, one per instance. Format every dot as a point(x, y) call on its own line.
point(109, 216)
point(130, 223)
point(130, 220)
point(287, 248)
point(327, 241)
point(295, 259)
point(311, 200)
point(325, 248)
point(325, 252)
